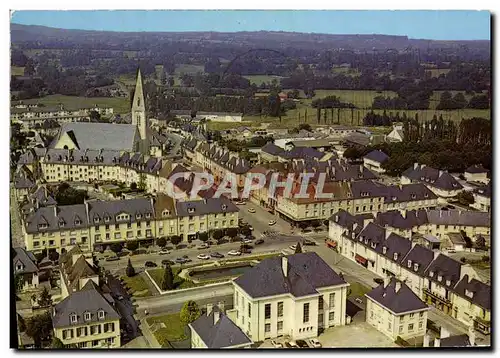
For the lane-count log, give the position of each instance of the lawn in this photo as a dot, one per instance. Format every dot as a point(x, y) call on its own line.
point(259, 79)
point(173, 331)
point(16, 71)
point(188, 69)
point(120, 105)
point(361, 99)
point(136, 285)
point(179, 282)
point(356, 289)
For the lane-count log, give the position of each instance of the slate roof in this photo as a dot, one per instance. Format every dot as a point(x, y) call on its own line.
point(446, 267)
point(377, 156)
point(408, 192)
point(272, 149)
point(432, 177)
point(484, 191)
point(456, 238)
point(396, 244)
point(54, 217)
point(223, 334)
point(82, 157)
point(347, 220)
point(476, 169)
point(205, 207)
point(459, 218)
point(395, 219)
point(481, 292)
point(461, 340)
point(306, 272)
point(26, 258)
point(313, 143)
point(100, 135)
point(189, 143)
point(367, 189)
point(404, 300)
point(23, 178)
point(418, 255)
point(88, 299)
point(98, 211)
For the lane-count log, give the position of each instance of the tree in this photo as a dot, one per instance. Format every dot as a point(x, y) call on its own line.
point(481, 243)
point(133, 186)
point(161, 242)
point(175, 240)
point(39, 328)
point(45, 299)
point(232, 232)
point(167, 282)
point(53, 256)
point(203, 236)
point(465, 198)
point(189, 312)
point(56, 343)
point(132, 245)
point(305, 126)
point(298, 248)
point(217, 234)
point(130, 271)
point(116, 247)
point(94, 116)
point(18, 282)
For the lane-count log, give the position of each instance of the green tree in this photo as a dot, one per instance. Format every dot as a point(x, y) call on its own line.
point(232, 232)
point(130, 271)
point(465, 198)
point(167, 282)
point(175, 240)
point(189, 312)
point(203, 236)
point(161, 242)
point(18, 282)
point(56, 343)
point(53, 256)
point(45, 299)
point(305, 126)
point(39, 328)
point(217, 234)
point(298, 248)
point(133, 186)
point(132, 245)
point(116, 247)
point(94, 116)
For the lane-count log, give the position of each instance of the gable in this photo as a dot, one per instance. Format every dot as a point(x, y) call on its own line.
point(66, 140)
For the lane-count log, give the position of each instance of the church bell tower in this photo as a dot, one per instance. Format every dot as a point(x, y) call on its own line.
point(139, 114)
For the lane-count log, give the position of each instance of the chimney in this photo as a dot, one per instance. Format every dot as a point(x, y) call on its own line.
point(284, 265)
point(387, 280)
point(426, 339)
point(209, 308)
point(403, 213)
point(216, 317)
point(415, 166)
point(440, 173)
point(398, 286)
point(221, 306)
point(387, 233)
point(437, 342)
point(472, 335)
point(444, 333)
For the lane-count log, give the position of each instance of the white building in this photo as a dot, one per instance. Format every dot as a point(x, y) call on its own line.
point(294, 296)
point(477, 173)
point(374, 160)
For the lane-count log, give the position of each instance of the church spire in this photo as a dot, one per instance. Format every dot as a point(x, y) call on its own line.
point(139, 108)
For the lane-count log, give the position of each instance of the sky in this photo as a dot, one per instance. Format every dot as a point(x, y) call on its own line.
point(431, 24)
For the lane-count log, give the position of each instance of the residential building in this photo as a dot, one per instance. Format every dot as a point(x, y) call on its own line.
point(393, 309)
point(25, 265)
point(215, 330)
point(477, 174)
point(374, 160)
point(443, 184)
point(24, 182)
point(453, 241)
point(292, 295)
point(482, 198)
point(448, 341)
point(396, 135)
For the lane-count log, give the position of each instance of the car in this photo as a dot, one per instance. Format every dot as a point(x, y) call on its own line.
point(315, 343)
point(167, 262)
point(186, 257)
point(358, 300)
point(258, 242)
point(234, 253)
point(203, 257)
point(119, 298)
point(250, 227)
point(247, 241)
point(308, 242)
point(150, 264)
point(452, 252)
point(112, 258)
point(217, 255)
point(240, 203)
point(291, 344)
point(203, 246)
point(181, 260)
point(293, 247)
point(272, 222)
point(302, 344)
point(276, 344)
point(251, 210)
point(163, 252)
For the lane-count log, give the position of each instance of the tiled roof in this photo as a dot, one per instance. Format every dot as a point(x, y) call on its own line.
point(306, 272)
point(401, 301)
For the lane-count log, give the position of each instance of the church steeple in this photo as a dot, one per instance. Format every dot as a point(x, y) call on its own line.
point(139, 108)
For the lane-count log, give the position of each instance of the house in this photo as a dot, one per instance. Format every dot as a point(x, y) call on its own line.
point(396, 135)
point(393, 309)
point(449, 341)
point(24, 182)
point(374, 160)
point(482, 198)
point(453, 241)
point(215, 330)
point(322, 145)
point(440, 182)
point(477, 174)
point(24, 264)
point(292, 295)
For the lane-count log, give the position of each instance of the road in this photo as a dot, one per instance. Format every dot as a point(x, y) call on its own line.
point(260, 220)
point(15, 220)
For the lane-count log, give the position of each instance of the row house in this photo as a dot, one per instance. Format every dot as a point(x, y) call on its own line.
point(442, 183)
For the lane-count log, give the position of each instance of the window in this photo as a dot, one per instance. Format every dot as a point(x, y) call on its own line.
point(411, 315)
point(305, 315)
point(320, 303)
point(421, 314)
point(331, 316)
point(95, 343)
point(87, 316)
point(280, 309)
point(268, 327)
point(249, 310)
point(280, 326)
point(400, 329)
point(402, 318)
point(389, 326)
point(267, 311)
point(410, 327)
point(73, 318)
point(371, 314)
point(332, 300)
point(100, 314)
point(420, 325)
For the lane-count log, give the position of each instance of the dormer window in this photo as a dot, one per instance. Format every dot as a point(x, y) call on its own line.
point(87, 316)
point(409, 263)
point(394, 198)
point(100, 314)
point(384, 250)
point(166, 212)
point(366, 241)
point(415, 267)
point(61, 223)
point(78, 221)
point(73, 318)
point(138, 216)
point(42, 226)
point(426, 195)
point(440, 278)
point(190, 210)
point(224, 206)
point(96, 219)
point(448, 282)
point(374, 245)
point(106, 218)
point(469, 294)
point(431, 273)
point(148, 215)
point(395, 256)
point(413, 196)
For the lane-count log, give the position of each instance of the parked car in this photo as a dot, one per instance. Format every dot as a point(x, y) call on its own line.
point(276, 344)
point(315, 343)
point(167, 262)
point(203, 246)
point(247, 241)
point(302, 344)
point(181, 260)
point(150, 264)
point(291, 344)
point(308, 242)
point(203, 257)
point(358, 300)
point(217, 255)
point(163, 252)
point(259, 241)
point(234, 253)
point(250, 227)
point(272, 222)
point(240, 203)
point(112, 258)
point(251, 210)
point(293, 247)
point(186, 257)
point(378, 280)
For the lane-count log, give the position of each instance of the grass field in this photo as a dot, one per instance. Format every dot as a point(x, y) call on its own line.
point(436, 72)
point(436, 97)
point(136, 285)
point(259, 79)
point(120, 105)
point(174, 329)
point(16, 71)
point(188, 69)
point(179, 282)
point(361, 99)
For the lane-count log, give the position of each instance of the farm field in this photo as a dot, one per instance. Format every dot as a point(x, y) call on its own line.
point(16, 71)
point(259, 79)
point(361, 99)
point(436, 72)
point(436, 97)
point(188, 69)
point(120, 105)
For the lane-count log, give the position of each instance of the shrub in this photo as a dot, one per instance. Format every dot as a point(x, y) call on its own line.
point(130, 271)
point(161, 242)
point(132, 245)
point(189, 312)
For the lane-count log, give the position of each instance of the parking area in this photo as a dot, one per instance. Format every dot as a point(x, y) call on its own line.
point(357, 335)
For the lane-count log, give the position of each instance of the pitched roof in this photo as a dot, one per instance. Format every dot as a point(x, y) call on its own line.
point(408, 192)
point(481, 292)
point(433, 177)
point(484, 191)
point(347, 220)
point(459, 218)
point(53, 218)
point(377, 156)
point(89, 299)
point(100, 135)
point(400, 301)
point(476, 169)
point(206, 206)
point(446, 268)
point(306, 272)
point(461, 340)
point(418, 255)
point(137, 209)
point(223, 334)
point(456, 238)
point(395, 219)
point(27, 260)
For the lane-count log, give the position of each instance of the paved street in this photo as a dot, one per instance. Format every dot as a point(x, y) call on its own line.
point(15, 220)
point(260, 220)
